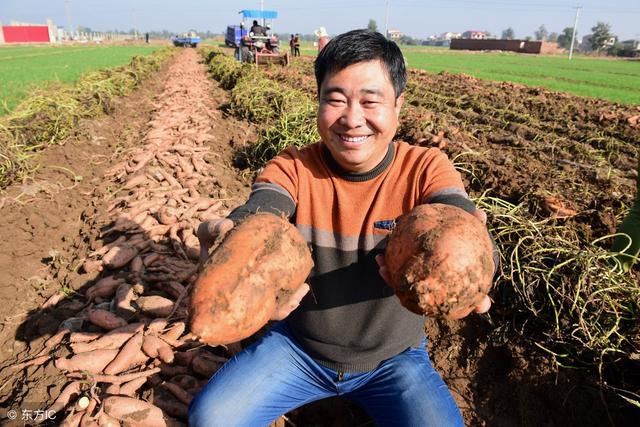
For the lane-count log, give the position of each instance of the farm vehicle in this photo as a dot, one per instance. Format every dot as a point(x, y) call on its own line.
point(258, 44)
point(189, 39)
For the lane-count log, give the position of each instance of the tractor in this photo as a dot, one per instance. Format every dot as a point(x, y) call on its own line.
point(260, 47)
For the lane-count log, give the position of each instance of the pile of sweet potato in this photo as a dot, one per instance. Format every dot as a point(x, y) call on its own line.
point(258, 265)
point(126, 352)
point(440, 260)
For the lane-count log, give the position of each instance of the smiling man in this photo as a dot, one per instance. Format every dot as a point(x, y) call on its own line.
point(349, 335)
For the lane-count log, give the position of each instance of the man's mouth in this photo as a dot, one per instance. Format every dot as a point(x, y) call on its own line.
point(353, 140)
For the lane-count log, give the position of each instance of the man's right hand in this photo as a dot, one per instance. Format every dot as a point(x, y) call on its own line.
point(208, 232)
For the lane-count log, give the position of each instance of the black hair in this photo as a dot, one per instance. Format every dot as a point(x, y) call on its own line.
point(255, 22)
point(359, 46)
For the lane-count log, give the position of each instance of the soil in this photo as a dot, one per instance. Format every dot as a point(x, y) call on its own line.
point(51, 223)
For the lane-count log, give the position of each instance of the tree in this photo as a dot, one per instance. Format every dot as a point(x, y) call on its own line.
point(541, 33)
point(508, 34)
point(553, 37)
point(372, 25)
point(600, 35)
point(564, 39)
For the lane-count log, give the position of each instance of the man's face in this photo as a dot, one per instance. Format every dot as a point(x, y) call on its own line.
point(358, 115)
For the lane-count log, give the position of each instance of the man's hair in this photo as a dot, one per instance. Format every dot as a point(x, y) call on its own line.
point(359, 46)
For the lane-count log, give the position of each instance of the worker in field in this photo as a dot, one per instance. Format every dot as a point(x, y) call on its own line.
point(349, 336)
point(257, 29)
point(291, 46)
point(323, 38)
point(296, 45)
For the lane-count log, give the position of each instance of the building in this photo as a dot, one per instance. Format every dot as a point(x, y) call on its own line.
point(632, 45)
point(474, 34)
point(22, 32)
point(394, 34)
point(585, 45)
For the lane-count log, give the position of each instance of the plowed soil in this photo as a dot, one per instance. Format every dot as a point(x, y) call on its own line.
point(51, 226)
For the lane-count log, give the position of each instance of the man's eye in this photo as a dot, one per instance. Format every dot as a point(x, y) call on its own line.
point(334, 101)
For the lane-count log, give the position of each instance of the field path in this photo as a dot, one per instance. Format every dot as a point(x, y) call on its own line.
point(139, 184)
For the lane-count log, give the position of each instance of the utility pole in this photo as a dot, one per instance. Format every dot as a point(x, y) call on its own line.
point(69, 24)
point(261, 10)
point(386, 21)
point(575, 28)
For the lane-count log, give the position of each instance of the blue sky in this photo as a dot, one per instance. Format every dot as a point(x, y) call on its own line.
point(414, 18)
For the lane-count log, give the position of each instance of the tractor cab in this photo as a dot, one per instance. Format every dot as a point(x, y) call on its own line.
point(259, 45)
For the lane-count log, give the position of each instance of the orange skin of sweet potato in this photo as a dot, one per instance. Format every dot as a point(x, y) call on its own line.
point(440, 261)
point(260, 263)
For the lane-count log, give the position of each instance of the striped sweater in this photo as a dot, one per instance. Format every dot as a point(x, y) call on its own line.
point(351, 320)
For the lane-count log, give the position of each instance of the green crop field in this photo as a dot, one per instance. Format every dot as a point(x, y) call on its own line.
point(615, 80)
point(23, 68)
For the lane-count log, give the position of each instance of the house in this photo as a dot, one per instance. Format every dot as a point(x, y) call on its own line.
point(585, 45)
point(394, 34)
point(632, 45)
point(474, 34)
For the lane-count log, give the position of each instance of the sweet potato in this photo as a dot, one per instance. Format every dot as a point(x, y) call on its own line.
point(105, 420)
point(155, 305)
point(119, 256)
point(69, 392)
point(105, 287)
point(259, 263)
point(72, 420)
point(126, 356)
point(439, 259)
point(206, 364)
point(111, 340)
point(133, 411)
point(130, 388)
point(155, 347)
point(92, 361)
point(105, 319)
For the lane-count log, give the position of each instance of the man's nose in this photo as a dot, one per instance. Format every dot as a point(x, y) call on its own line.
point(353, 115)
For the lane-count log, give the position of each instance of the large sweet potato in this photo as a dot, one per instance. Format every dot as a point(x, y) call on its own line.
point(439, 259)
point(257, 266)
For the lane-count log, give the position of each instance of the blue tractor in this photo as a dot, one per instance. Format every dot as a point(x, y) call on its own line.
point(189, 39)
point(260, 46)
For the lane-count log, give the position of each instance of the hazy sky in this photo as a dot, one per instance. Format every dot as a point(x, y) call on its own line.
point(415, 18)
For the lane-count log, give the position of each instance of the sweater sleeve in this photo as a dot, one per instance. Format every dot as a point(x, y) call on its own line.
point(274, 190)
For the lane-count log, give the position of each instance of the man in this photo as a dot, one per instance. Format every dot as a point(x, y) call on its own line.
point(349, 336)
point(296, 45)
point(292, 45)
point(257, 29)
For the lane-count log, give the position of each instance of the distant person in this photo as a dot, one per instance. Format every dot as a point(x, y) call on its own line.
point(257, 29)
point(296, 45)
point(323, 38)
point(291, 45)
point(146, 37)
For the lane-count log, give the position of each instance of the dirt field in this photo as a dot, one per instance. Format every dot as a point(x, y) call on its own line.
point(173, 143)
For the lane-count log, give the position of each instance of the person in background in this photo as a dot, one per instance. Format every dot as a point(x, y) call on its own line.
point(257, 29)
point(323, 38)
point(291, 45)
point(296, 45)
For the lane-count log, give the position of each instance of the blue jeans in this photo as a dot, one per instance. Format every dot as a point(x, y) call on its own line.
point(275, 375)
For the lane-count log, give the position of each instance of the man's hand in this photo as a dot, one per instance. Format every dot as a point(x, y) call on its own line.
point(292, 304)
point(482, 306)
point(208, 232)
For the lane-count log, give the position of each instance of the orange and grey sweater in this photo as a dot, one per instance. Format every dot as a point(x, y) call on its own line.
point(351, 320)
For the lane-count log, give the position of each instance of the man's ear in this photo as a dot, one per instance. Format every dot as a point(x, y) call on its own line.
point(399, 102)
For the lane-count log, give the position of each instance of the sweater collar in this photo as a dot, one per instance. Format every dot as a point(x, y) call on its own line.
point(359, 176)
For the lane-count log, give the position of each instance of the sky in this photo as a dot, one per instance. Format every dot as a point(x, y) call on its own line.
point(415, 18)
